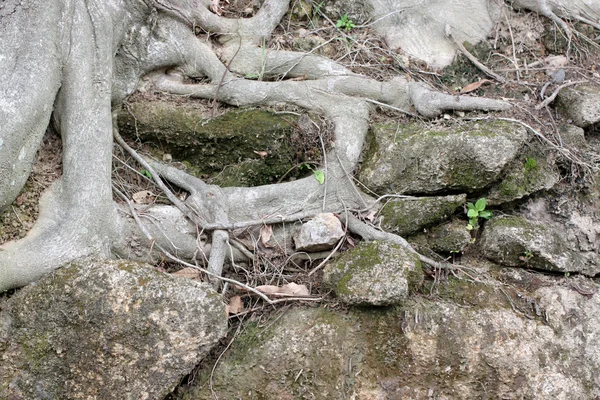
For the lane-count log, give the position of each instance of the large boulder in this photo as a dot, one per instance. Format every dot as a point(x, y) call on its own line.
point(418, 158)
point(419, 28)
point(110, 330)
point(374, 273)
point(517, 242)
point(473, 341)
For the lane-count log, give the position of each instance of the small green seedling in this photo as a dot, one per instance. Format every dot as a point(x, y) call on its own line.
point(476, 211)
point(146, 173)
point(527, 255)
point(345, 23)
point(319, 175)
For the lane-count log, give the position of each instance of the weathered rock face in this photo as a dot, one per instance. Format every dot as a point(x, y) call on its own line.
point(413, 158)
point(527, 174)
point(374, 273)
point(408, 216)
point(450, 237)
point(581, 104)
point(112, 330)
point(227, 148)
point(320, 233)
point(514, 241)
point(468, 344)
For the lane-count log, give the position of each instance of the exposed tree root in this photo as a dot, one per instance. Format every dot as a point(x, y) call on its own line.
point(159, 45)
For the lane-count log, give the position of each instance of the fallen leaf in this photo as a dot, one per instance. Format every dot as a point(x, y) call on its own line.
point(369, 216)
point(235, 305)
point(266, 231)
point(350, 242)
point(188, 272)
point(474, 86)
point(293, 289)
point(556, 61)
point(261, 153)
point(144, 197)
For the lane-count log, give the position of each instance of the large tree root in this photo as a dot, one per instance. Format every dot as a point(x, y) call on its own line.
point(78, 217)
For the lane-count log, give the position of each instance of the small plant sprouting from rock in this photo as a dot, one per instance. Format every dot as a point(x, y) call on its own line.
point(476, 211)
point(345, 23)
point(527, 255)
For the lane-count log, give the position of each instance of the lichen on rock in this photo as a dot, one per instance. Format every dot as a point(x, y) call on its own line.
point(110, 330)
point(374, 273)
point(417, 159)
point(517, 242)
point(410, 215)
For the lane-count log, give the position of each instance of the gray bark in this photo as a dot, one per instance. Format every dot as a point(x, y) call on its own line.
point(71, 62)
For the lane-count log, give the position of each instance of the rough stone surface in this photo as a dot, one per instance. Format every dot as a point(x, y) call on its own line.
point(224, 148)
point(320, 233)
point(581, 104)
point(418, 158)
point(408, 216)
point(111, 330)
point(467, 344)
point(374, 273)
point(573, 137)
point(529, 173)
point(516, 242)
point(450, 237)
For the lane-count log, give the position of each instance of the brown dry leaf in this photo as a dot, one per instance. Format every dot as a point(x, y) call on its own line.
point(293, 289)
point(188, 272)
point(350, 242)
point(261, 153)
point(299, 78)
point(474, 86)
point(144, 197)
point(556, 61)
point(265, 235)
point(370, 216)
point(235, 305)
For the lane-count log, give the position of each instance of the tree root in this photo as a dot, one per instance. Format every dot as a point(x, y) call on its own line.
point(84, 222)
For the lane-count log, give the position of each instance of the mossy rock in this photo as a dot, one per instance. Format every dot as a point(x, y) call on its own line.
point(447, 238)
point(374, 273)
point(109, 330)
point(411, 215)
point(532, 172)
point(514, 241)
point(239, 148)
point(473, 341)
point(417, 158)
